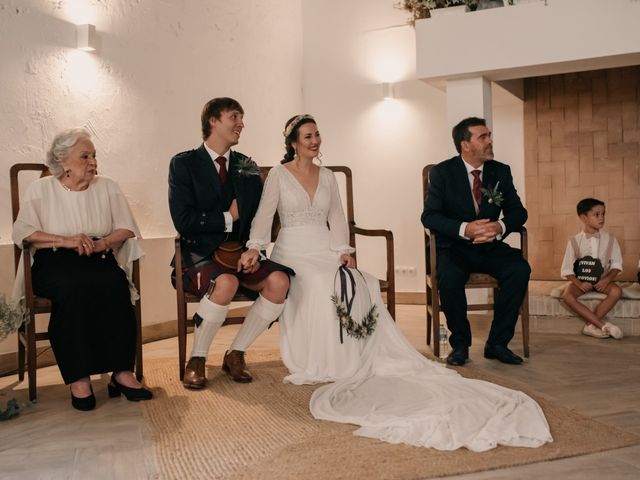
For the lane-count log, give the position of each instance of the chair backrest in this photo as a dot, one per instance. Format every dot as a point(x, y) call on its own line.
point(15, 194)
point(429, 238)
point(425, 179)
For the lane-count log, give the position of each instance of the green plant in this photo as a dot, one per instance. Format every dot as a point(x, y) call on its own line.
point(422, 8)
point(12, 315)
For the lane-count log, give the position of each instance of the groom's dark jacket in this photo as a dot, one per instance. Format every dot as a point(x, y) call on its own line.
point(449, 201)
point(197, 201)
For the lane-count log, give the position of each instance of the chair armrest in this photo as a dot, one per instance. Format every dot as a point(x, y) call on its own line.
point(178, 257)
point(430, 249)
point(26, 265)
point(388, 235)
point(524, 242)
point(391, 272)
point(372, 233)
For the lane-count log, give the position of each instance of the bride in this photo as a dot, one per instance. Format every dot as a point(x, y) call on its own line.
point(380, 381)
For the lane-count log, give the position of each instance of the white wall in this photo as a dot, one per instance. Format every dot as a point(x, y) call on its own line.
point(350, 48)
point(141, 94)
point(536, 38)
point(160, 61)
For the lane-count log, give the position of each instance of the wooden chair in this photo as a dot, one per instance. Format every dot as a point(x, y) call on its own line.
point(476, 280)
point(27, 334)
point(236, 316)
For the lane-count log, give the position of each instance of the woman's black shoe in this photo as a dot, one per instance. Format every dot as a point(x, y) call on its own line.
point(85, 404)
point(132, 394)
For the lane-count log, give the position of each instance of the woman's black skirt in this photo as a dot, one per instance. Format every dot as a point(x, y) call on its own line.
point(93, 326)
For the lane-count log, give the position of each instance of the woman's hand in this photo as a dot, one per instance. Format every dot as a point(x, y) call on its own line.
point(346, 259)
point(81, 243)
point(101, 245)
point(249, 261)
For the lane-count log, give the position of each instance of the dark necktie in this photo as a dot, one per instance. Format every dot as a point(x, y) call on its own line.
point(477, 183)
point(222, 173)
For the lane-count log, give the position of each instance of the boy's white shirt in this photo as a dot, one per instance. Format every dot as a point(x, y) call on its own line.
point(595, 247)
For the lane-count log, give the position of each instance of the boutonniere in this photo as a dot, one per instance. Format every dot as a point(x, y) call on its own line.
point(246, 167)
point(493, 195)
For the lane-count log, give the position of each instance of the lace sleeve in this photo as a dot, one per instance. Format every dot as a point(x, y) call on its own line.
point(260, 235)
point(338, 222)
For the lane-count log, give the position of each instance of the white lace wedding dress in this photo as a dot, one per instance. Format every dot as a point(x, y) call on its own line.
point(380, 383)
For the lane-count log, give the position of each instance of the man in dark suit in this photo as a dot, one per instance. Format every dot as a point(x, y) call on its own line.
point(213, 195)
point(467, 195)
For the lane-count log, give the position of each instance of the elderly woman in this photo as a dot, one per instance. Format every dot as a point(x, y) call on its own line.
point(77, 223)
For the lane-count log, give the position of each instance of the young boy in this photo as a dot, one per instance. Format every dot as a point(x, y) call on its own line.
point(592, 261)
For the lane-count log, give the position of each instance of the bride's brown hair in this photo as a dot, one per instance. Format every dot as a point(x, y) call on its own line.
point(291, 129)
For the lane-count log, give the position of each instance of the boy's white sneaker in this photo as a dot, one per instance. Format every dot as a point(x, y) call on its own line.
point(591, 330)
point(613, 330)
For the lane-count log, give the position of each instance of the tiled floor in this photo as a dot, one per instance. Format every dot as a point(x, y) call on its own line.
point(599, 378)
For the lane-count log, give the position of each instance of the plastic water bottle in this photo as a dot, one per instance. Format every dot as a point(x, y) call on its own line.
point(443, 338)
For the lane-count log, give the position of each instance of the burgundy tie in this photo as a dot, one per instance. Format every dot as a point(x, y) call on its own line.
point(477, 183)
point(222, 173)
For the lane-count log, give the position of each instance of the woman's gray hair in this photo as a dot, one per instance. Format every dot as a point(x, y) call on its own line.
point(59, 150)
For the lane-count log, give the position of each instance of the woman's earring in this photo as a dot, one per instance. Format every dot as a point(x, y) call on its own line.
point(67, 172)
point(319, 156)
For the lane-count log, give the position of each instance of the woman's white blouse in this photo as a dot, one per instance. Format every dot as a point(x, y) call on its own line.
point(48, 207)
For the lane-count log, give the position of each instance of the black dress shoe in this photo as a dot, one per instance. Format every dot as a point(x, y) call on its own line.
point(503, 354)
point(458, 356)
point(132, 394)
point(85, 403)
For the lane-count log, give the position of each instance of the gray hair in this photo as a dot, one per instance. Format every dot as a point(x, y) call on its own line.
point(59, 150)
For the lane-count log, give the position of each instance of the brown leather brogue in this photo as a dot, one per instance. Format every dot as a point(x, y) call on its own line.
point(236, 367)
point(194, 373)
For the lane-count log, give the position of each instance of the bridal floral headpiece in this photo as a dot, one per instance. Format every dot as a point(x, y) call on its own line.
point(296, 120)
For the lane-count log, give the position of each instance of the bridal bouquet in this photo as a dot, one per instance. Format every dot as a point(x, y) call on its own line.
point(354, 329)
point(343, 298)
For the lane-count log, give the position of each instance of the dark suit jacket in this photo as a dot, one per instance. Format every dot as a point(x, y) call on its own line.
point(197, 205)
point(449, 201)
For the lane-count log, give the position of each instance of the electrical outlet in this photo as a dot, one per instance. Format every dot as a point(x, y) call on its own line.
point(405, 269)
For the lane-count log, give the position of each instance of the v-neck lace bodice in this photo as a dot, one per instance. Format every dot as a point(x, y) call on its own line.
point(284, 193)
point(310, 198)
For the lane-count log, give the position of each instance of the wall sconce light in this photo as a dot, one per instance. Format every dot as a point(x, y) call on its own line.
point(387, 91)
point(86, 37)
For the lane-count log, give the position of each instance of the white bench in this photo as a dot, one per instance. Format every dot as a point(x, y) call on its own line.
point(549, 314)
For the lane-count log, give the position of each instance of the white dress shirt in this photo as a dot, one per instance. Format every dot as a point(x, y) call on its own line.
point(593, 247)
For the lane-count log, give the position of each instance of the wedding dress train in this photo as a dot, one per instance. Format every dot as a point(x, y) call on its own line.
point(381, 382)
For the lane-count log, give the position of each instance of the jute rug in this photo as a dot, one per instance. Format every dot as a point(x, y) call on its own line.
point(264, 430)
